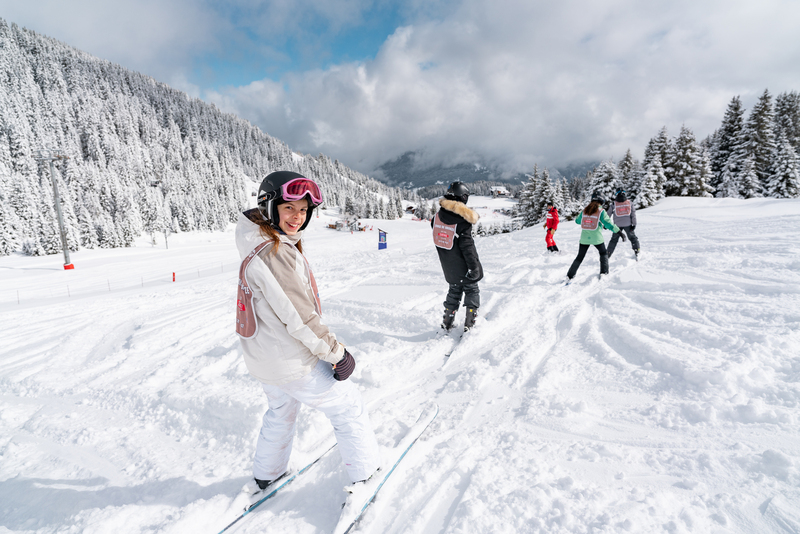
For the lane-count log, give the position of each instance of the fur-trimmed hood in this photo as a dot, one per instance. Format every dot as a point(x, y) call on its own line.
point(459, 208)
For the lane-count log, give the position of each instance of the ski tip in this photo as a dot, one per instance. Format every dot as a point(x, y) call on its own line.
point(429, 413)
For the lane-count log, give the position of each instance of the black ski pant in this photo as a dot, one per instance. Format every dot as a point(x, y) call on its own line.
point(612, 244)
point(472, 296)
point(601, 248)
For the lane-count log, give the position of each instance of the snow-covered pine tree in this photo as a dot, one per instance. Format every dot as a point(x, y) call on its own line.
point(687, 164)
point(578, 187)
point(758, 141)
point(787, 118)
point(749, 182)
point(626, 172)
point(604, 180)
point(729, 186)
point(701, 187)
point(9, 242)
point(349, 207)
point(725, 139)
point(547, 195)
point(526, 207)
point(391, 210)
point(568, 207)
point(636, 177)
point(650, 188)
point(422, 211)
point(662, 145)
point(785, 180)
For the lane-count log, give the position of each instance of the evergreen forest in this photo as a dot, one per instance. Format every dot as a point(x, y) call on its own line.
point(132, 155)
point(749, 156)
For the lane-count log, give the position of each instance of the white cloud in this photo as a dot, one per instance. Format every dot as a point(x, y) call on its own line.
point(519, 83)
point(156, 37)
point(510, 81)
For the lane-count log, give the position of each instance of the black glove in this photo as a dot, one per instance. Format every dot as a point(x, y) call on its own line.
point(345, 367)
point(622, 235)
point(633, 227)
point(473, 275)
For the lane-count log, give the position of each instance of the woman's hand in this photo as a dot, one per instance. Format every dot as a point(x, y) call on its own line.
point(345, 367)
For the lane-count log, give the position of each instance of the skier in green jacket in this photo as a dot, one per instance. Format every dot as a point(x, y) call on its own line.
point(592, 220)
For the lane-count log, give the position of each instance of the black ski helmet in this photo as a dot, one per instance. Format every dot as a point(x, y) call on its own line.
point(597, 198)
point(457, 191)
point(621, 196)
point(270, 196)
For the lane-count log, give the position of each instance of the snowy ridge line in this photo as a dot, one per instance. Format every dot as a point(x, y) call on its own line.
point(66, 291)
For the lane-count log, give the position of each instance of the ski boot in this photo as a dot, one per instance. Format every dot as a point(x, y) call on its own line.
point(447, 320)
point(469, 320)
point(264, 484)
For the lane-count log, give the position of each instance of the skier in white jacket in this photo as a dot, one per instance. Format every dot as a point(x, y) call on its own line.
point(286, 345)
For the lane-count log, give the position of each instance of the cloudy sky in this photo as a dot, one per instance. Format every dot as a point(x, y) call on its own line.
point(505, 82)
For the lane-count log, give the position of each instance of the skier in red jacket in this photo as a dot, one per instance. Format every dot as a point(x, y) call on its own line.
point(551, 225)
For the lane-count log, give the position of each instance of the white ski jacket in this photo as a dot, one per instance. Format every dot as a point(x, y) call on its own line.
point(290, 337)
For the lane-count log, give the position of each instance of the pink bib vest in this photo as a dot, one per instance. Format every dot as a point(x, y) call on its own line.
point(622, 209)
point(590, 222)
point(246, 323)
point(443, 234)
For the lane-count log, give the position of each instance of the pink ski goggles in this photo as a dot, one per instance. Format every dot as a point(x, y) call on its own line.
point(299, 187)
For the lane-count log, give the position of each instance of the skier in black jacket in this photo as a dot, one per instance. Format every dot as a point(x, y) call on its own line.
point(452, 235)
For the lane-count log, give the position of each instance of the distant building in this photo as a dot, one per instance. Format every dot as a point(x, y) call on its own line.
point(499, 191)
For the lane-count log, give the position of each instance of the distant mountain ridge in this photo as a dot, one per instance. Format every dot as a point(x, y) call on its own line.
point(577, 170)
point(407, 173)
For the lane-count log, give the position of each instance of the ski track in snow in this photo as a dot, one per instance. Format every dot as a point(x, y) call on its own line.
point(664, 397)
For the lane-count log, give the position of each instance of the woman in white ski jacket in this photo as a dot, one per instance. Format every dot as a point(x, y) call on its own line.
point(286, 345)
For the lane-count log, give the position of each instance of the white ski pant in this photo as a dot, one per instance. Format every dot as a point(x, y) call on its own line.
point(339, 401)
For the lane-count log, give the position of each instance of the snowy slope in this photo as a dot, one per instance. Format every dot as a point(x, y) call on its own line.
point(664, 398)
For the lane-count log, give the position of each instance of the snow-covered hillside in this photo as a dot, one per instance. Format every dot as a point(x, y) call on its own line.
point(665, 398)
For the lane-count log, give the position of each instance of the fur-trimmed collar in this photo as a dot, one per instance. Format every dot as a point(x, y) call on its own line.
point(459, 208)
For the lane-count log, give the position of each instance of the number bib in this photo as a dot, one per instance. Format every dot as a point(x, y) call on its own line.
point(622, 209)
point(443, 234)
point(590, 222)
point(246, 324)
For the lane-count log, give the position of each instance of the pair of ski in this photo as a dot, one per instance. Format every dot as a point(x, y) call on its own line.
point(570, 280)
point(361, 495)
point(599, 276)
point(455, 336)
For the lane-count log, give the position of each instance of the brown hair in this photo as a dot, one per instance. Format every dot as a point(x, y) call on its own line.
point(592, 208)
point(268, 230)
